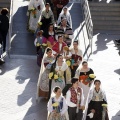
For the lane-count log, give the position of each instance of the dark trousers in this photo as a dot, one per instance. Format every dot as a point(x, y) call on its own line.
point(73, 115)
point(3, 34)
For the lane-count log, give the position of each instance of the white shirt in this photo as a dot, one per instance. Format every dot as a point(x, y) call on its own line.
point(64, 108)
point(68, 97)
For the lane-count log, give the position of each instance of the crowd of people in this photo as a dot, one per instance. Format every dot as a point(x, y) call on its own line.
point(65, 78)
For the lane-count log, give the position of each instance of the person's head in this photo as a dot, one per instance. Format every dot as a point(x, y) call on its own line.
point(4, 11)
point(85, 64)
point(75, 82)
point(51, 27)
point(47, 6)
point(59, 58)
point(65, 10)
point(60, 39)
point(64, 22)
point(75, 44)
point(40, 33)
point(57, 91)
point(49, 52)
point(97, 84)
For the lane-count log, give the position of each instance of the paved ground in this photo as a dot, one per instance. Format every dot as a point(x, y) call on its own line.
point(18, 78)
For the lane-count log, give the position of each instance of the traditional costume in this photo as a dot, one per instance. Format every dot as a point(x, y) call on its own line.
point(76, 58)
point(60, 106)
point(73, 98)
point(47, 17)
point(49, 39)
point(67, 16)
point(43, 81)
point(35, 9)
point(58, 48)
point(57, 4)
point(65, 31)
point(84, 83)
point(96, 99)
point(61, 75)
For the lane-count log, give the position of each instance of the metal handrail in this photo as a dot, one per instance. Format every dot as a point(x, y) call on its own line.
point(88, 23)
point(10, 27)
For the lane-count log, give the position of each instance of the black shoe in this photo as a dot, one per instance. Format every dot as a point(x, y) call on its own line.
point(2, 62)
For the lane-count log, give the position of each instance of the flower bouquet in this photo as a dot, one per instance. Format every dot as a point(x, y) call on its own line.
point(55, 76)
point(104, 111)
point(68, 63)
point(90, 77)
point(33, 11)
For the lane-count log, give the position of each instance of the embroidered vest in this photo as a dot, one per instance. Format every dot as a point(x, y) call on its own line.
point(74, 94)
point(60, 104)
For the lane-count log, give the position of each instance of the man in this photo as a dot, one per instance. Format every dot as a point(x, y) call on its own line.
point(65, 31)
point(4, 26)
point(58, 47)
point(75, 101)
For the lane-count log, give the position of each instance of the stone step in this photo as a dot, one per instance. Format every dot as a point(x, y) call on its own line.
point(103, 27)
point(107, 18)
point(105, 13)
point(114, 32)
point(96, 4)
point(104, 8)
point(106, 23)
point(4, 5)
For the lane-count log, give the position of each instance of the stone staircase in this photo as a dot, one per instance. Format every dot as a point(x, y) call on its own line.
point(5, 4)
point(105, 16)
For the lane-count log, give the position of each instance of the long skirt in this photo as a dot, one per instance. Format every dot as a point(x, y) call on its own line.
point(97, 106)
point(44, 84)
point(33, 21)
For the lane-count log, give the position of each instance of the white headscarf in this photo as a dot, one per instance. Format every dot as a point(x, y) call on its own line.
point(68, 17)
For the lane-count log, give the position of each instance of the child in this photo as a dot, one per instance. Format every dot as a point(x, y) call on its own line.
point(39, 40)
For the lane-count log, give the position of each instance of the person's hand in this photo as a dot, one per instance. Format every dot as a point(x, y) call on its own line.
point(82, 107)
point(93, 111)
point(66, 35)
point(75, 64)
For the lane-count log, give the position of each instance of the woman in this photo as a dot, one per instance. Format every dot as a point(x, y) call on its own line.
point(96, 109)
point(47, 17)
point(59, 74)
point(65, 14)
point(35, 9)
point(4, 26)
point(49, 36)
point(83, 74)
point(44, 72)
point(76, 58)
point(57, 106)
